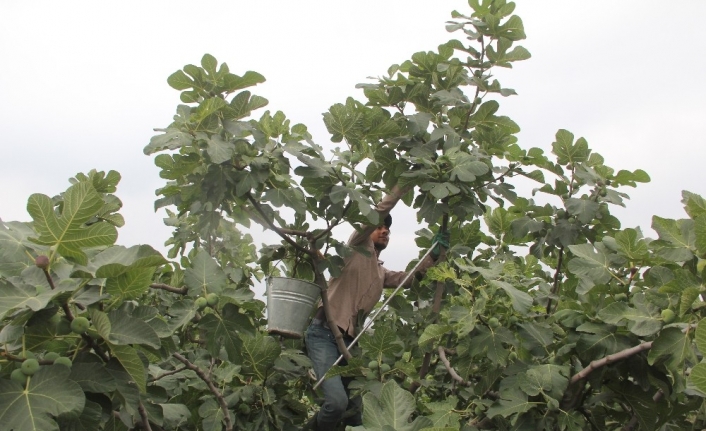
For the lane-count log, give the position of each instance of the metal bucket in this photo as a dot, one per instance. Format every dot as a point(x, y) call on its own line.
point(290, 303)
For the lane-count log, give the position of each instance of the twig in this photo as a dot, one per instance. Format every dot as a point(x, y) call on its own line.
point(557, 274)
point(436, 308)
point(475, 98)
point(168, 373)
point(168, 288)
point(321, 282)
point(449, 368)
point(143, 415)
point(214, 390)
point(598, 363)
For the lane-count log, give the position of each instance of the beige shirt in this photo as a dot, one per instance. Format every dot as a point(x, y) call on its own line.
point(363, 277)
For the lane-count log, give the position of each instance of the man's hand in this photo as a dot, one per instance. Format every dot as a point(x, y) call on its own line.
point(440, 239)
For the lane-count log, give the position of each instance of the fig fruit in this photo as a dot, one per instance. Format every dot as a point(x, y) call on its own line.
point(29, 367)
point(212, 299)
point(41, 262)
point(79, 325)
point(18, 376)
point(63, 361)
point(668, 316)
point(201, 303)
point(51, 356)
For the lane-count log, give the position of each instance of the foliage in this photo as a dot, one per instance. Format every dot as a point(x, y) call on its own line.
point(545, 313)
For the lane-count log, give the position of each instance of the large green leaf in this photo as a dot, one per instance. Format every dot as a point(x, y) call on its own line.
point(584, 209)
point(700, 337)
point(433, 334)
point(546, 379)
point(383, 343)
point(567, 151)
point(393, 408)
point(221, 331)
point(131, 284)
point(92, 377)
point(127, 330)
point(258, 354)
point(117, 260)
point(631, 245)
point(645, 322)
point(508, 407)
point(128, 358)
point(676, 238)
point(24, 296)
point(641, 403)
point(599, 340)
point(521, 301)
point(13, 248)
point(89, 420)
point(48, 395)
point(67, 231)
point(342, 121)
point(590, 264)
point(204, 275)
point(671, 346)
point(698, 377)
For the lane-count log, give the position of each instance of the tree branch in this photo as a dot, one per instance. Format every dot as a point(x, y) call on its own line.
point(143, 415)
point(320, 280)
point(449, 368)
point(168, 288)
point(436, 308)
point(168, 373)
point(598, 363)
point(214, 390)
point(557, 274)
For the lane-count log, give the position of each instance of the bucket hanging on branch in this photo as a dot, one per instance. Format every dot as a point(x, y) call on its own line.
point(290, 304)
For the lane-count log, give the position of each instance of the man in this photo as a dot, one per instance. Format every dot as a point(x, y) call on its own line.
point(357, 290)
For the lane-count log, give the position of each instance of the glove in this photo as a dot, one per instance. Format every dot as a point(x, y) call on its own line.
point(440, 239)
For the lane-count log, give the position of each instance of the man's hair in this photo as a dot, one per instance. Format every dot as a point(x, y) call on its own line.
point(388, 221)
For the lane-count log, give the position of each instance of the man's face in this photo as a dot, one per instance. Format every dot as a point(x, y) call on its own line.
point(380, 237)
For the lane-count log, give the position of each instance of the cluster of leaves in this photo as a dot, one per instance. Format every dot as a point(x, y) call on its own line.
point(102, 342)
point(545, 313)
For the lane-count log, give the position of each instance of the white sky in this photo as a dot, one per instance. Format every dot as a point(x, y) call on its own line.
point(83, 84)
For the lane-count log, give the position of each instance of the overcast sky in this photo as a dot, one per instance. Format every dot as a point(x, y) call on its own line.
point(83, 84)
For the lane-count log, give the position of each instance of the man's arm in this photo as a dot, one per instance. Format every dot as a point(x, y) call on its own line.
point(394, 278)
point(383, 208)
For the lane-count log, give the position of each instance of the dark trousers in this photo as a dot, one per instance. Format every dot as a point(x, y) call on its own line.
point(323, 352)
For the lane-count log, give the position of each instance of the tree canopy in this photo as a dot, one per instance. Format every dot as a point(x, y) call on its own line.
point(545, 313)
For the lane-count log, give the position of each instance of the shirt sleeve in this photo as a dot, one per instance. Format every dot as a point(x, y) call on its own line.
point(394, 278)
point(383, 208)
